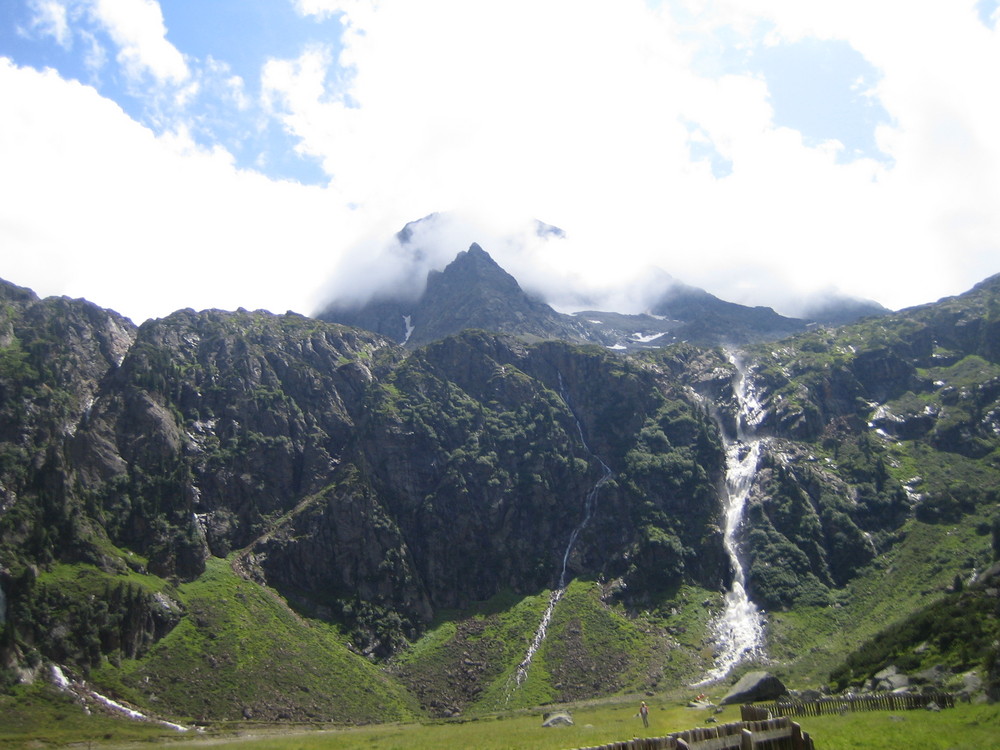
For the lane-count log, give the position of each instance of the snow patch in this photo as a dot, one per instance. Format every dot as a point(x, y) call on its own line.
point(646, 338)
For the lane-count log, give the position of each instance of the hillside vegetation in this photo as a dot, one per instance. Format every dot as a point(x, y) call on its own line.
point(240, 515)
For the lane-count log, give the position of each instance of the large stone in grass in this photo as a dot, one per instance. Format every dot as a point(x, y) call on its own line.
point(755, 686)
point(889, 679)
point(557, 719)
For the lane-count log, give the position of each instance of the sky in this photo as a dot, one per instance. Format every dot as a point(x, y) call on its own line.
point(264, 153)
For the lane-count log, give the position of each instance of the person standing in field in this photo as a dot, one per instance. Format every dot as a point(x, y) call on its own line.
point(644, 713)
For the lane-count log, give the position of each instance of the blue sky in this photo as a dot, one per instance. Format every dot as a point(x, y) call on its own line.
point(219, 42)
point(263, 153)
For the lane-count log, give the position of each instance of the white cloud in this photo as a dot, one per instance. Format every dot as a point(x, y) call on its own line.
point(358, 11)
point(145, 224)
point(96, 57)
point(138, 29)
point(579, 113)
point(575, 112)
point(50, 18)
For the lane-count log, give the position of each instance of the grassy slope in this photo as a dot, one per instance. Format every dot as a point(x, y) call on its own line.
point(240, 651)
point(809, 641)
point(590, 648)
point(39, 715)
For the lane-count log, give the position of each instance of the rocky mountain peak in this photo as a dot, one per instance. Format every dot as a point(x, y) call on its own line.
point(474, 266)
point(473, 291)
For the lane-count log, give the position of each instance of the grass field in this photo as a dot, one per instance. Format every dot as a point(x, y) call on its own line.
point(966, 727)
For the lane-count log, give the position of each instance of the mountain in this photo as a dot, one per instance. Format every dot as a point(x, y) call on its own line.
point(473, 292)
point(836, 310)
point(683, 313)
point(392, 521)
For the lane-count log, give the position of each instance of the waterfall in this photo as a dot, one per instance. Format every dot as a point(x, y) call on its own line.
point(589, 504)
point(83, 693)
point(522, 669)
point(739, 629)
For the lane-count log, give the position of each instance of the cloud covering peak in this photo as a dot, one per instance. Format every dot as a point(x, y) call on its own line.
point(247, 166)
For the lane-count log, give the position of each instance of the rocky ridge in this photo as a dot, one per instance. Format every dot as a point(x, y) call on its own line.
point(474, 292)
point(380, 488)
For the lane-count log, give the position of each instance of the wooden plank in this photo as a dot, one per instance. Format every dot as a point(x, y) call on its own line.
point(726, 742)
point(771, 735)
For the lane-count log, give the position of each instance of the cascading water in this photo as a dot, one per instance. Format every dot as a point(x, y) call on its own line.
point(589, 503)
point(739, 630)
point(81, 692)
point(556, 595)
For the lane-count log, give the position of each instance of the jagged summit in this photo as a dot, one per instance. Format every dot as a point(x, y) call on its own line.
point(419, 299)
point(476, 266)
point(472, 291)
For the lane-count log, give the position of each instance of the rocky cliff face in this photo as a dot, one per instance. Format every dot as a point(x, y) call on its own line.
point(352, 478)
point(377, 487)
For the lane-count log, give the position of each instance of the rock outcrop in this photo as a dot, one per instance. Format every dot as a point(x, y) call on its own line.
point(754, 686)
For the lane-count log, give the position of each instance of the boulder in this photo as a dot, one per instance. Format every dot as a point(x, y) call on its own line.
point(972, 682)
point(889, 680)
point(935, 676)
point(557, 719)
point(755, 686)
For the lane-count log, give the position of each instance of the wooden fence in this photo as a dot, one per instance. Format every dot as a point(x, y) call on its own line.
point(770, 734)
point(842, 704)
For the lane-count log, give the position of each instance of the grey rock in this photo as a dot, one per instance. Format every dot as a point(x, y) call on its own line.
point(972, 682)
point(889, 679)
point(936, 675)
point(557, 719)
point(888, 672)
point(755, 686)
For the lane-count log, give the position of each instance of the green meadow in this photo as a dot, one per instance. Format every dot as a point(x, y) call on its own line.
point(966, 727)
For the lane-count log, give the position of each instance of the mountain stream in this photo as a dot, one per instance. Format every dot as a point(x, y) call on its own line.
point(739, 629)
point(589, 503)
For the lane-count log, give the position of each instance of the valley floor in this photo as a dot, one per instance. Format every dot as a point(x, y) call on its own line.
point(966, 727)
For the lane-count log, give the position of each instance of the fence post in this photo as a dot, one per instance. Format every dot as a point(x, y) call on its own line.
point(797, 743)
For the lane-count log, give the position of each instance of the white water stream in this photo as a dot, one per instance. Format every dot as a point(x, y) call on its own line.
point(739, 629)
point(589, 504)
point(79, 689)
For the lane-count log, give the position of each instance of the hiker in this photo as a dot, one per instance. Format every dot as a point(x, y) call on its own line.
point(644, 713)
